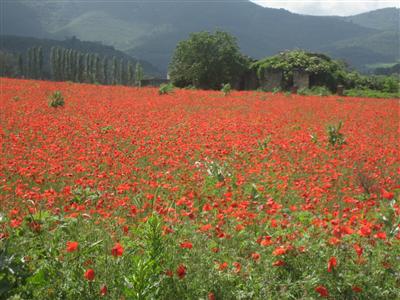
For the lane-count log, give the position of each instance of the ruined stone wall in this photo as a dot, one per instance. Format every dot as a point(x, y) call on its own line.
point(301, 79)
point(272, 79)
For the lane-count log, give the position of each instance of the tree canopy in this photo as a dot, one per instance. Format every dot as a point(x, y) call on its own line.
point(207, 60)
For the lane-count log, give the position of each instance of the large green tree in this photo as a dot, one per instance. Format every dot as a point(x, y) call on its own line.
point(207, 60)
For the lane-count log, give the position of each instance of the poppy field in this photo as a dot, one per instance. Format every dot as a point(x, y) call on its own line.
point(122, 193)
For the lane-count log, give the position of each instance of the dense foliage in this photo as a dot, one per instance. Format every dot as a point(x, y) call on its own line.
point(322, 69)
point(123, 193)
point(207, 60)
point(387, 84)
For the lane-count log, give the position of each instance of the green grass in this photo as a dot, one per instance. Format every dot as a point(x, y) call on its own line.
point(371, 94)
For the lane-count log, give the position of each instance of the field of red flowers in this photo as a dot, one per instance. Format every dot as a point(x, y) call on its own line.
point(123, 193)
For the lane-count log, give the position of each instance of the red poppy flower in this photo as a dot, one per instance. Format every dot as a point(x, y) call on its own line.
point(322, 291)
point(365, 231)
point(89, 274)
point(206, 227)
point(215, 250)
point(279, 251)
point(117, 250)
point(181, 271)
point(387, 195)
point(222, 266)
point(103, 290)
point(186, 245)
point(255, 256)
point(332, 263)
point(380, 235)
point(356, 289)
point(334, 241)
point(358, 249)
point(238, 267)
point(14, 223)
point(278, 263)
point(72, 246)
point(211, 296)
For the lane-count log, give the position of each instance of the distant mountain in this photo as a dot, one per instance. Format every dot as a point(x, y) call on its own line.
point(383, 19)
point(150, 30)
point(381, 47)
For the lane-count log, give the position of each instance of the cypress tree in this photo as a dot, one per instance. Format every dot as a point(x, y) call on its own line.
point(62, 64)
point(73, 64)
point(87, 75)
point(70, 64)
point(40, 58)
point(52, 62)
point(77, 66)
point(99, 69)
point(138, 74)
point(34, 60)
point(82, 65)
point(114, 67)
point(104, 65)
point(93, 68)
point(20, 65)
point(130, 74)
point(29, 63)
point(121, 71)
point(59, 64)
point(67, 64)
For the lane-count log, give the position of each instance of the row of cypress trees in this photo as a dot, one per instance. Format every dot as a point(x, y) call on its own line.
point(72, 65)
point(32, 67)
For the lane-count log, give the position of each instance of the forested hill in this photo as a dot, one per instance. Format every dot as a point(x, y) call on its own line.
point(150, 30)
point(383, 19)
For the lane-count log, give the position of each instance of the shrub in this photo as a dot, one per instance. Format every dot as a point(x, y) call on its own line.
point(368, 93)
point(226, 89)
point(276, 90)
point(56, 99)
point(165, 88)
point(314, 91)
point(335, 137)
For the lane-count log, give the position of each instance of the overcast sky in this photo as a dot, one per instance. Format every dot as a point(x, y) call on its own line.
point(328, 7)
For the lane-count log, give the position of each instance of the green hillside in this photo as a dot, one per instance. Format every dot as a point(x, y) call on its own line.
point(381, 47)
point(383, 19)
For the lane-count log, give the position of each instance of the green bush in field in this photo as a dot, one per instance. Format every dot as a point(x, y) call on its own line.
point(226, 89)
point(335, 137)
point(314, 91)
point(56, 99)
point(368, 93)
point(165, 88)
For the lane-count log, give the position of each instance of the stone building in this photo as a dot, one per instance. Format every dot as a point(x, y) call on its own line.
point(301, 79)
point(248, 81)
point(271, 80)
